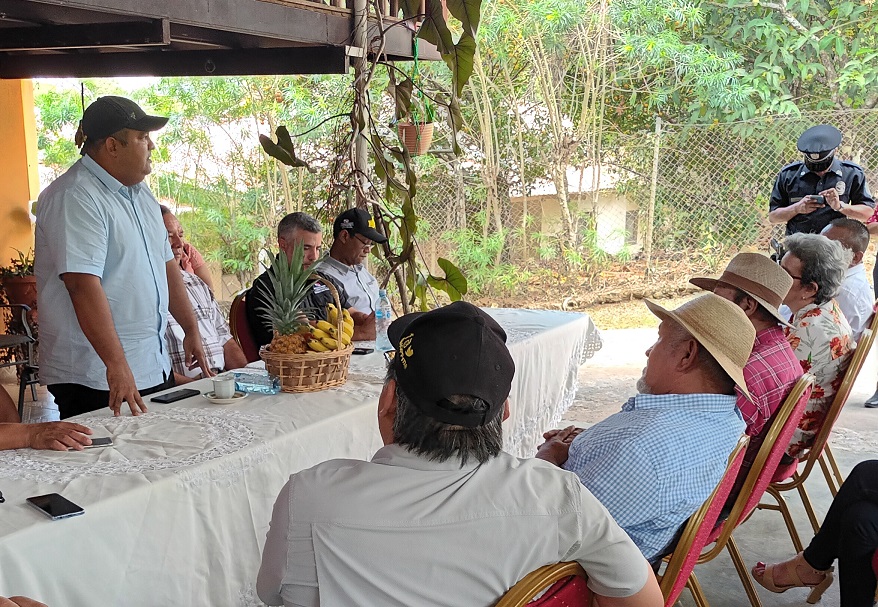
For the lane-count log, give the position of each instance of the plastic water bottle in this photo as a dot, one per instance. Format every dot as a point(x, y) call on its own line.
point(258, 381)
point(383, 318)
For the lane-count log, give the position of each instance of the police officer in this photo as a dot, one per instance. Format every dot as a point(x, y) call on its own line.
point(841, 183)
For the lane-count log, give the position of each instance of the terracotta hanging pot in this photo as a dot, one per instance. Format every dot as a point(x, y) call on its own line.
point(415, 137)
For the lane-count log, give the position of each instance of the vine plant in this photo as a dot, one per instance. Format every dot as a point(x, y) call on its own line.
point(392, 184)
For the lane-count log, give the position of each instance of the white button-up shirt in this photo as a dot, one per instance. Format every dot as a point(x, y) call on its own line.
point(89, 223)
point(361, 287)
point(855, 298)
point(403, 530)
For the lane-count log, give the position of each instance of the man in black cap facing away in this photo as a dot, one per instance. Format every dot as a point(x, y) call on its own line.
point(106, 276)
point(442, 516)
point(810, 193)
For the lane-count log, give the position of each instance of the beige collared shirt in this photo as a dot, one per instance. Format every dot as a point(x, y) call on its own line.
point(402, 530)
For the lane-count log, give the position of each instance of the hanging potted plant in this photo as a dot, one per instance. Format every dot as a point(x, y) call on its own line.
point(18, 280)
point(416, 128)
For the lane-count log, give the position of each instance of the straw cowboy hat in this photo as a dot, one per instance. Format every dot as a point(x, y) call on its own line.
point(718, 325)
point(756, 275)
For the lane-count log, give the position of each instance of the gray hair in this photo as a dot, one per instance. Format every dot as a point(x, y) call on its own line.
point(824, 262)
point(298, 221)
point(439, 441)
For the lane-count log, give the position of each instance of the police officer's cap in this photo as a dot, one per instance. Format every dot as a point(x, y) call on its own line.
point(818, 141)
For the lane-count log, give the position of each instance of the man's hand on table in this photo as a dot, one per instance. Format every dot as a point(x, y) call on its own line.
point(20, 601)
point(122, 387)
point(57, 436)
point(193, 350)
point(557, 444)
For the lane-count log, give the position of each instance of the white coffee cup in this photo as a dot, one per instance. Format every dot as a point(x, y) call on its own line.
point(224, 386)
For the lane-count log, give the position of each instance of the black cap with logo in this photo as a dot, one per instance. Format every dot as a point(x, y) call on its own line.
point(110, 114)
point(358, 221)
point(819, 141)
point(454, 350)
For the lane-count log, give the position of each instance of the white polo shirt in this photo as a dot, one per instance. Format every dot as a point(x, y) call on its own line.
point(403, 530)
point(361, 287)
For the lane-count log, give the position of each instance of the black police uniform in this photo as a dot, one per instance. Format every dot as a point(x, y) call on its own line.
point(795, 181)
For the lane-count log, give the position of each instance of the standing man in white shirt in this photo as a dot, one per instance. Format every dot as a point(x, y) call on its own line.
point(855, 297)
point(353, 235)
point(106, 276)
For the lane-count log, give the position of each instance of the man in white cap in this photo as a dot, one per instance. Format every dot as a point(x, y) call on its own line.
point(655, 462)
point(106, 276)
point(758, 285)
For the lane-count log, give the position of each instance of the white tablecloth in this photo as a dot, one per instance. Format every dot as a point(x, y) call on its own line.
point(176, 512)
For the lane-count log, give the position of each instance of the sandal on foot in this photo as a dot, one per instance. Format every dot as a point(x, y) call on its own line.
point(766, 580)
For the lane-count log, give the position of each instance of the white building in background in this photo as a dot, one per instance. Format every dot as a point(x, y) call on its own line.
point(616, 217)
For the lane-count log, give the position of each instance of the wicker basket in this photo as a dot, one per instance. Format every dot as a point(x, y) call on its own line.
point(312, 371)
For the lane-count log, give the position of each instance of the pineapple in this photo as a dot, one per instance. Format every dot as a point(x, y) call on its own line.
point(290, 282)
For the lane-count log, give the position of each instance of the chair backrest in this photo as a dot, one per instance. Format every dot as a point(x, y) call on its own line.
point(240, 327)
point(566, 584)
point(867, 338)
point(697, 531)
point(785, 422)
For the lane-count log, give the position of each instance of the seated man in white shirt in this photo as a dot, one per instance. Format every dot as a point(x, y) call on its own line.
point(855, 297)
point(353, 234)
point(441, 516)
point(221, 350)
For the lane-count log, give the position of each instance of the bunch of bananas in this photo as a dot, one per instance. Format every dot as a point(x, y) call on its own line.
point(325, 335)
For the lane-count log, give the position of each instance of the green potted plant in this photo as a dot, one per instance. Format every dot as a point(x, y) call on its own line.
point(18, 280)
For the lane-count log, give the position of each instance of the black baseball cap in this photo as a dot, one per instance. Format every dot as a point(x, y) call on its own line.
point(453, 350)
point(357, 221)
point(110, 114)
point(819, 141)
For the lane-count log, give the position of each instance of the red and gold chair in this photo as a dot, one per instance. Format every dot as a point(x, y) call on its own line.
point(564, 585)
point(240, 327)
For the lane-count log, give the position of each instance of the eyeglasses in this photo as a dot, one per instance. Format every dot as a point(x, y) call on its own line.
point(367, 244)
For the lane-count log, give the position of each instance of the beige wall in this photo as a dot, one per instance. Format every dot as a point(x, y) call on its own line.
point(19, 180)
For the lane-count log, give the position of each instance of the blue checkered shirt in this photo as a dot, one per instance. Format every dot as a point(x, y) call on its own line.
point(655, 462)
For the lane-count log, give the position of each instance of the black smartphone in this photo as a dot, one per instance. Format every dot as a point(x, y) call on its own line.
point(363, 350)
point(54, 506)
point(817, 198)
point(96, 443)
point(172, 397)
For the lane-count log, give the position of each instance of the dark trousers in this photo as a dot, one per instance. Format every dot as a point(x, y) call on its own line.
point(850, 534)
point(74, 399)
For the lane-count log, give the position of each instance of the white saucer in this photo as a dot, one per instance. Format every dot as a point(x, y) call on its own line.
point(225, 401)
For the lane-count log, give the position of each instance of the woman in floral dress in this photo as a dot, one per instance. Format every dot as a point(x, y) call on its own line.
point(820, 335)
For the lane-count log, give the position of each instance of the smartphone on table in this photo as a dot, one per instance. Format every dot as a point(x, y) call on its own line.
point(172, 397)
point(96, 443)
point(55, 506)
point(363, 350)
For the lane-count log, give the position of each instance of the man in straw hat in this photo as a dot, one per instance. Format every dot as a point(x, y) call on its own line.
point(758, 285)
point(450, 517)
point(106, 276)
point(655, 462)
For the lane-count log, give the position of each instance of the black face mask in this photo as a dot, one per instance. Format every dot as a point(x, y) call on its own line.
point(819, 165)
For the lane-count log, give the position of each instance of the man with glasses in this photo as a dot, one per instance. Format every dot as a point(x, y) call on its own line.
point(106, 277)
point(353, 235)
point(295, 229)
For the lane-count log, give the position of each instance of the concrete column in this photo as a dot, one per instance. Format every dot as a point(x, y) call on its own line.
point(19, 180)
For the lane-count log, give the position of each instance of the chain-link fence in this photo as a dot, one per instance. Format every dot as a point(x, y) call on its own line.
point(690, 195)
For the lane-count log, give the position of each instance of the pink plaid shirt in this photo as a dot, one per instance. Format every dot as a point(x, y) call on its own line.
point(770, 373)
